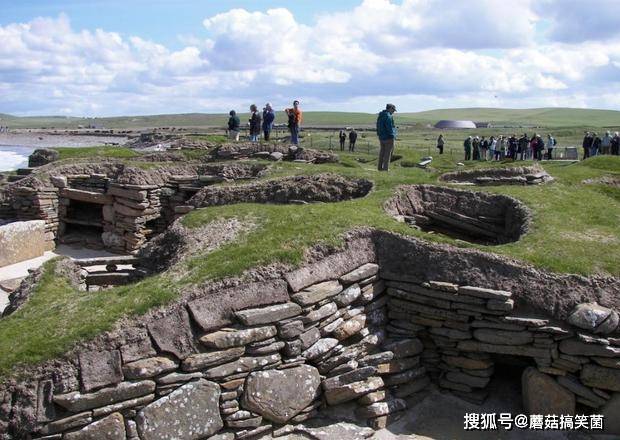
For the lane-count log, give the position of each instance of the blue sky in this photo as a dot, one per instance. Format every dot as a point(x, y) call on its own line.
point(145, 57)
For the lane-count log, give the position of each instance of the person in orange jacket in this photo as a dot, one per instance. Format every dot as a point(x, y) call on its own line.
point(294, 121)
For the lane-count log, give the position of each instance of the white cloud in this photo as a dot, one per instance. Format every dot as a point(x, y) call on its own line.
point(426, 52)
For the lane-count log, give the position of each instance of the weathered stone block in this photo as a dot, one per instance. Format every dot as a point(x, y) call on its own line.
point(362, 272)
point(269, 314)
point(99, 369)
point(601, 377)
point(150, 367)
point(20, 241)
point(200, 361)
point(279, 395)
point(503, 337)
point(190, 412)
point(543, 395)
point(316, 293)
point(76, 402)
point(235, 338)
point(353, 390)
point(108, 428)
point(172, 334)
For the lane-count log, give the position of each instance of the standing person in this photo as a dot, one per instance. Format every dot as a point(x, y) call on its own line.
point(268, 117)
point(233, 126)
point(540, 147)
point(492, 147)
point(342, 137)
point(255, 123)
point(500, 150)
point(467, 145)
point(615, 144)
point(513, 146)
point(475, 146)
point(550, 144)
point(484, 148)
point(386, 131)
point(606, 143)
point(522, 146)
point(440, 143)
point(596, 145)
point(294, 121)
point(532, 146)
point(586, 144)
point(352, 140)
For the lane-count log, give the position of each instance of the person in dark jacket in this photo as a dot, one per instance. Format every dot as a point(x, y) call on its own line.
point(484, 148)
point(268, 117)
point(586, 144)
point(352, 140)
point(467, 147)
point(595, 148)
point(233, 126)
point(342, 137)
point(255, 123)
point(386, 132)
point(615, 144)
point(513, 146)
point(475, 145)
point(440, 143)
point(522, 147)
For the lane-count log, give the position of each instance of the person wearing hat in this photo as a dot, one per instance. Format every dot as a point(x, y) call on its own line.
point(233, 126)
point(268, 117)
point(386, 131)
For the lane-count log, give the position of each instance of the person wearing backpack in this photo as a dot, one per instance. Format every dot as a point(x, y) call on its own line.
point(294, 121)
point(550, 144)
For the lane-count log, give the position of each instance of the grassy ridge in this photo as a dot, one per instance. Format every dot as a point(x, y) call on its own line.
point(546, 117)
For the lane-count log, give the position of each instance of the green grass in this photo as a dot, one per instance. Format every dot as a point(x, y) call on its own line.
point(574, 230)
point(95, 152)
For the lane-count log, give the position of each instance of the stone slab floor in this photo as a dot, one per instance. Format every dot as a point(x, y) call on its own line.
point(438, 416)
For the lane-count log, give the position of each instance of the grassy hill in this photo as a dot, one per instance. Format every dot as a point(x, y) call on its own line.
point(545, 117)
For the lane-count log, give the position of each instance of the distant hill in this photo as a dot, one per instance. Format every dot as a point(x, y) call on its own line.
point(547, 117)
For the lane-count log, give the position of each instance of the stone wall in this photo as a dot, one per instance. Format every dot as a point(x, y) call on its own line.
point(352, 327)
point(21, 241)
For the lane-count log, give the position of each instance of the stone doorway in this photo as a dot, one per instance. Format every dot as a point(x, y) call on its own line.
point(81, 224)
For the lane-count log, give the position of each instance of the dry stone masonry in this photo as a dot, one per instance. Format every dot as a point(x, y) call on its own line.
point(532, 175)
point(350, 328)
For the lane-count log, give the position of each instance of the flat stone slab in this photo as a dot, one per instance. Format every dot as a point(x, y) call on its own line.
point(316, 293)
point(217, 309)
point(242, 365)
point(503, 337)
point(601, 377)
point(190, 412)
point(578, 348)
point(279, 395)
point(76, 402)
point(200, 361)
point(518, 350)
point(269, 314)
point(235, 338)
point(111, 427)
point(150, 367)
point(481, 292)
point(361, 273)
point(353, 390)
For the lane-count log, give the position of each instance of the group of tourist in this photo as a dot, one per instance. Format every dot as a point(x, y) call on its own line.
point(506, 147)
point(593, 145)
point(342, 136)
point(263, 122)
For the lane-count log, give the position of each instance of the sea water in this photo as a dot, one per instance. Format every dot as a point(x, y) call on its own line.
point(13, 157)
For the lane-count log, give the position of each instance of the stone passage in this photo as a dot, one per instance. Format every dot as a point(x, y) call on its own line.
point(532, 175)
point(471, 216)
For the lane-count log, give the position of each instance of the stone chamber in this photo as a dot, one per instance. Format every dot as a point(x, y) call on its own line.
point(476, 217)
point(530, 175)
point(373, 325)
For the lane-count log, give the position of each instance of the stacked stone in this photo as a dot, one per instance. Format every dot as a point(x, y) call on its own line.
point(88, 182)
point(37, 204)
point(126, 220)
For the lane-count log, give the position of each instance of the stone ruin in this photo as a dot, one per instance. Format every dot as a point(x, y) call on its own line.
point(373, 326)
point(111, 206)
point(530, 175)
point(273, 152)
point(477, 217)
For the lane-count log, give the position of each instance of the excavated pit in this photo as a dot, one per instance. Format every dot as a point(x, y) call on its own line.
point(296, 189)
point(532, 175)
point(475, 217)
point(111, 205)
point(386, 327)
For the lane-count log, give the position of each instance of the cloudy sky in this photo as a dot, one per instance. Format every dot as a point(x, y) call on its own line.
point(106, 58)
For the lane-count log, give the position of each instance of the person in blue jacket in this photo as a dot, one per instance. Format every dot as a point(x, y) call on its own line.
point(386, 131)
point(268, 117)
